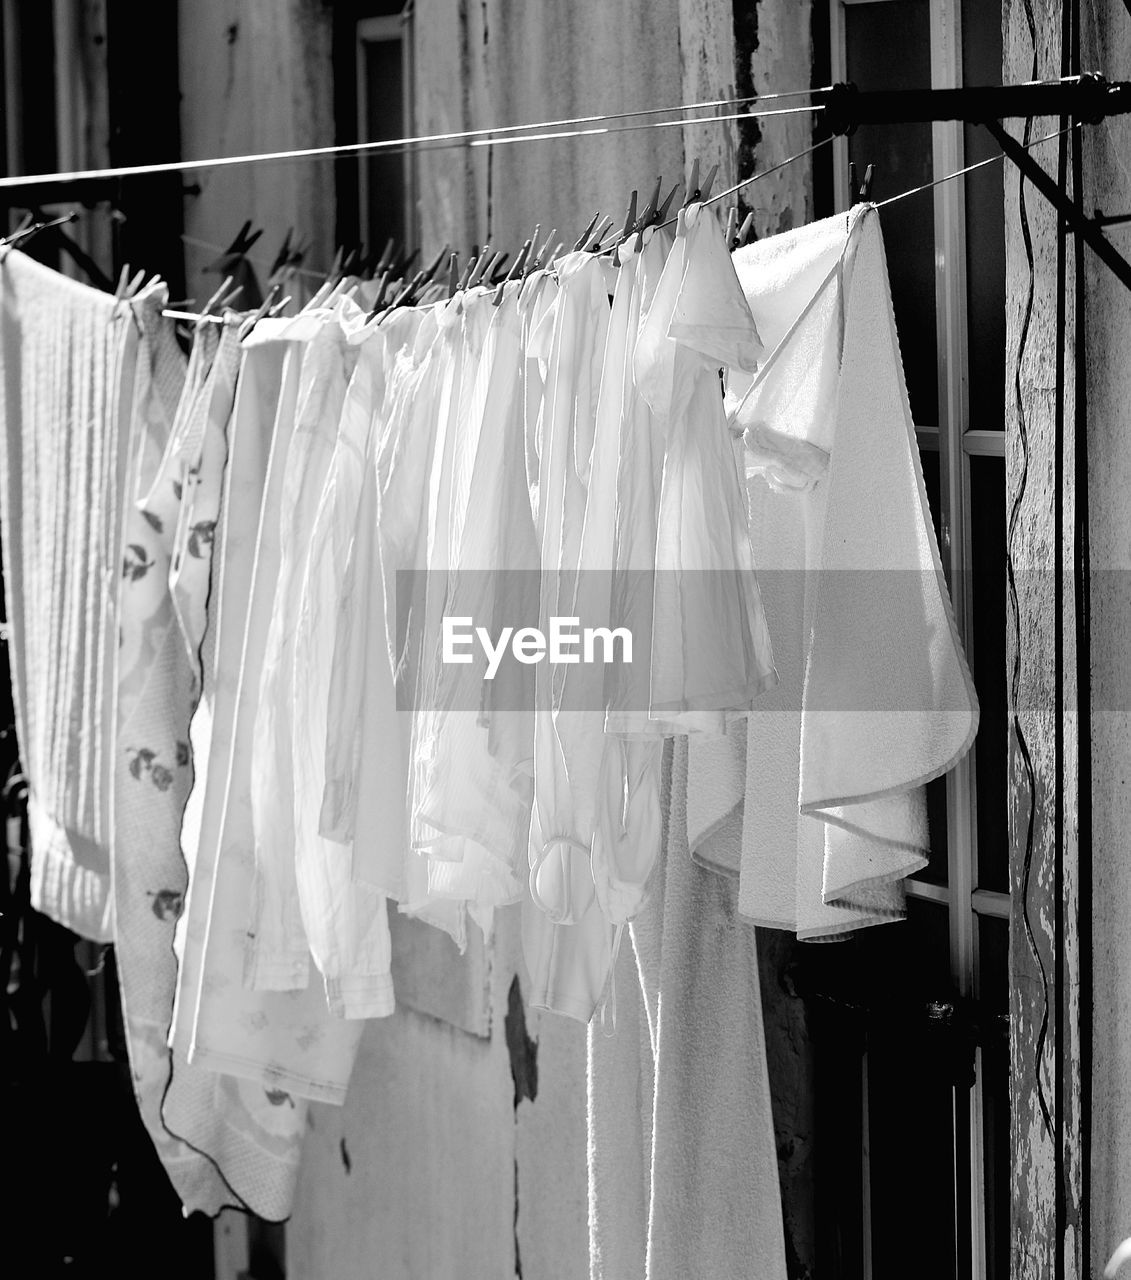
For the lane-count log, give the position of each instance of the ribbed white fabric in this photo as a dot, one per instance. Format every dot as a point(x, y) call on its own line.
point(66, 367)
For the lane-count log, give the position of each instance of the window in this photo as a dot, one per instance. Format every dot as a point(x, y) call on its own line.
point(28, 141)
point(914, 1123)
point(374, 101)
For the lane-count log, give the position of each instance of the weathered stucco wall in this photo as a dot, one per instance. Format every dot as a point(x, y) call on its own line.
point(1031, 354)
point(1106, 46)
point(561, 60)
point(256, 76)
point(1033, 31)
point(455, 1155)
point(781, 61)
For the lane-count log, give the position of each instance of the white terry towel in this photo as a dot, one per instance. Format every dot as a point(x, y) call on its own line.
point(67, 356)
point(876, 698)
point(683, 1174)
point(716, 786)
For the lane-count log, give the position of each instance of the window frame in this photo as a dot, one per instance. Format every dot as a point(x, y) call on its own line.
point(387, 28)
point(956, 440)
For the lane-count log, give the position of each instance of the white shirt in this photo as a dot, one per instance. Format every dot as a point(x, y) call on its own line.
point(346, 923)
point(279, 950)
point(711, 651)
point(472, 804)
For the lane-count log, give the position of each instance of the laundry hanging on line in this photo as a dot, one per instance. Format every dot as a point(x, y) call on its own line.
point(308, 502)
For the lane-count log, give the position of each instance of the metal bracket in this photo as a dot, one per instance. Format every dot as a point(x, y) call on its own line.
point(1087, 98)
point(1071, 211)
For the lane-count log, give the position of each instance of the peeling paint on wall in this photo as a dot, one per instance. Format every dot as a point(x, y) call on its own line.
point(522, 1050)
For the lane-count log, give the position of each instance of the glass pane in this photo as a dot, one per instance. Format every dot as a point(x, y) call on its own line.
point(871, 992)
point(383, 219)
point(888, 46)
point(936, 871)
point(985, 225)
point(932, 479)
point(987, 535)
point(910, 1098)
point(993, 957)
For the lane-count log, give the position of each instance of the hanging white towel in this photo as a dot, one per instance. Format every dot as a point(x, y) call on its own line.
point(876, 699)
point(67, 358)
point(683, 1174)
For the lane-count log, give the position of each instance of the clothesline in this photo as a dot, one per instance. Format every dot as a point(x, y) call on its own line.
point(436, 141)
point(978, 164)
point(661, 124)
point(238, 787)
point(722, 195)
point(531, 131)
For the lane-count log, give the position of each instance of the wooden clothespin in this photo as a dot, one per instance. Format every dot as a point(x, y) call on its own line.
point(336, 266)
point(545, 254)
point(649, 211)
point(472, 262)
point(745, 231)
point(453, 275)
point(351, 263)
point(242, 242)
point(430, 270)
point(864, 191)
point(26, 222)
point(382, 289)
point(695, 190)
point(437, 262)
point(287, 261)
point(737, 236)
point(480, 268)
point(260, 311)
point(234, 262)
point(128, 287)
point(704, 191)
point(629, 217)
point(494, 274)
point(662, 211)
point(584, 238)
point(407, 296)
point(654, 213)
point(626, 230)
point(222, 297)
point(286, 255)
point(602, 231)
point(29, 227)
point(516, 270)
point(408, 293)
